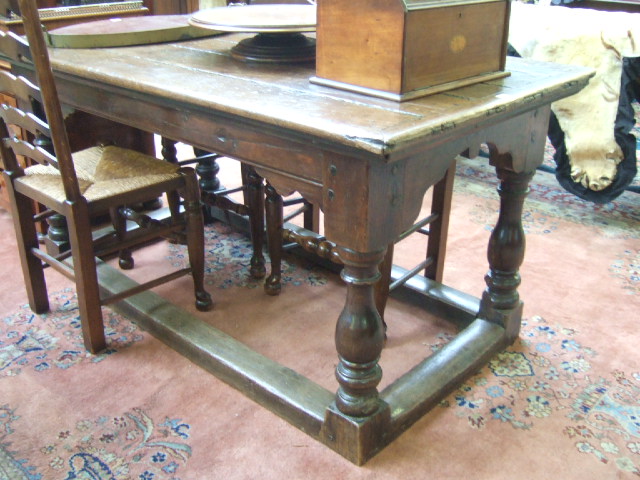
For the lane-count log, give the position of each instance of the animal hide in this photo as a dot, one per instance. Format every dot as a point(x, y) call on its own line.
point(591, 38)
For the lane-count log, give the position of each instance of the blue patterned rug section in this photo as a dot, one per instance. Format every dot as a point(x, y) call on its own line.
point(547, 374)
point(130, 446)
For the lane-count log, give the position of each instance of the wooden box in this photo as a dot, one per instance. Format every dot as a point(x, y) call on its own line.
point(402, 49)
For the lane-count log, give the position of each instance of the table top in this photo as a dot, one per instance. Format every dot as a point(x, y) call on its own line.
point(200, 74)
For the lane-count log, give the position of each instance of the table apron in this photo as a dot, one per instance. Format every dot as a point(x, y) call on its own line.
point(375, 198)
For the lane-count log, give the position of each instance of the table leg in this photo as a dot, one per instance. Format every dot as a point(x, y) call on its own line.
point(500, 301)
point(207, 167)
point(359, 336)
point(355, 424)
point(57, 237)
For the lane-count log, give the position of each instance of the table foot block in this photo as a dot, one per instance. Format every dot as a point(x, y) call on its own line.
point(356, 439)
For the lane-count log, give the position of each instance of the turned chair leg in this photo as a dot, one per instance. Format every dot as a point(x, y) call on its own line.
point(274, 215)
point(125, 256)
point(254, 199)
point(195, 240)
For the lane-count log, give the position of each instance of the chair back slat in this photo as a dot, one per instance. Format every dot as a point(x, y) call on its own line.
point(26, 121)
point(39, 55)
point(15, 47)
point(25, 92)
point(26, 149)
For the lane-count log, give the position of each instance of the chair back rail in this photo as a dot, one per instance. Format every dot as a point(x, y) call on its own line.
point(26, 149)
point(14, 46)
point(27, 121)
point(25, 92)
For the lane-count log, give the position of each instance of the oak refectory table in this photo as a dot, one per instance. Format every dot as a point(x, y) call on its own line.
point(367, 163)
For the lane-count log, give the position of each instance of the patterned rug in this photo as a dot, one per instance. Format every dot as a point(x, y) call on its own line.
point(547, 375)
point(567, 392)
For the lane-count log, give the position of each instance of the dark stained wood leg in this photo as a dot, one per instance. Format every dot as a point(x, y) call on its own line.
point(439, 228)
point(195, 238)
point(359, 336)
point(381, 289)
point(173, 202)
point(27, 238)
point(57, 238)
point(86, 277)
point(500, 301)
point(273, 207)
point(355, 423)
point(119, 222)
point(207, 170)
point(311, 217)
point(255, 202)
point(169, 151)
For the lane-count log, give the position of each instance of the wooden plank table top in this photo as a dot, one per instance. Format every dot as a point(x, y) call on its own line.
point(367, 163)
point(202, 74)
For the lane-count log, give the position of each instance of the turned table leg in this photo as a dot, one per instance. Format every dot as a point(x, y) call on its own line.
point(355, 424)
point(500, 300)
point(359, 336)
point(207, 170)
point(207, 167)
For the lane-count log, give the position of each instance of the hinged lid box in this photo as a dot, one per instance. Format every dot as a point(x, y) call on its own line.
point(402, 49)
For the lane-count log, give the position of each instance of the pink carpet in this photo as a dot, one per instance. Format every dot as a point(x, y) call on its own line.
point(563, 402)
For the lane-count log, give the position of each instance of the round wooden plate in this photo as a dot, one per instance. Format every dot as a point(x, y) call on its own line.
point(279, 30)
point(258, 18)
point(118, 32)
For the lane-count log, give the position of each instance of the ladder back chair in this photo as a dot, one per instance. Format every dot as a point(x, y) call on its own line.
point(81, 185)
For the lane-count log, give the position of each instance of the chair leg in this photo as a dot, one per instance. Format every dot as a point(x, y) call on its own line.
point(86, 278)
point(255, 202)
point(125, 257)
point(273, 207)
point(311, 217)
point(27, 238)
point(195, 238)
point(439, 229)
point(381, 288)
point(173, 202)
